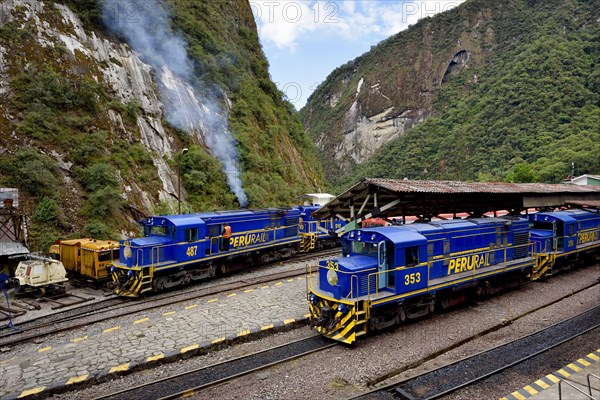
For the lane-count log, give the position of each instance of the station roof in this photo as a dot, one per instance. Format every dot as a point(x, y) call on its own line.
point(426, 199)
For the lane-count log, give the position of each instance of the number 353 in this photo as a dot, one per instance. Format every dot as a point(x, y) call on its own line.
point(410, 279)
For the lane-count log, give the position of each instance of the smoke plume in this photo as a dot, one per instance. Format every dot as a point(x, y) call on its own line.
point(145, 25)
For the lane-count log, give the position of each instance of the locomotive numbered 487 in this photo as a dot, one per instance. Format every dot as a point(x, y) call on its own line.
point(178, 249)
point(389, 274)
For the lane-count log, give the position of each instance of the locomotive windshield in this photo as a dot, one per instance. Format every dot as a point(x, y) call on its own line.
point(159, 230)
point(364, 248)
point(543, 225)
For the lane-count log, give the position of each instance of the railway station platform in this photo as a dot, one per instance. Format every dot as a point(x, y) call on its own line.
point(99, 351)
point(579, 380)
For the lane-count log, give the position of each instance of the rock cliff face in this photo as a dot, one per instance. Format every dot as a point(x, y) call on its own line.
point(85, 55)
point(379, 96)
point(86, 108)
point(486, 91)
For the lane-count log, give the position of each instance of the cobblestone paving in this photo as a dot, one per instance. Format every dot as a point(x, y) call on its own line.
point(153, 335)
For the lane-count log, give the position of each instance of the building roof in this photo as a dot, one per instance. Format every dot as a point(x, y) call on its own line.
point(12, 249)
point(394, 197)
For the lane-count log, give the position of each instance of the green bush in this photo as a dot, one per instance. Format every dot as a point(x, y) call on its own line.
point(31, 171)
point(46, 211)
point(98, 176)
point(103, 203)
point(98, 230)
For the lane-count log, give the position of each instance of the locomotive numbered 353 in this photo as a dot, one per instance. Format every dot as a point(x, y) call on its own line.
point(389, 274)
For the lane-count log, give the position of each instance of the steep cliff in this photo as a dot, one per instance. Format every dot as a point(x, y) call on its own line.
point(478, 74)
point(83, 131)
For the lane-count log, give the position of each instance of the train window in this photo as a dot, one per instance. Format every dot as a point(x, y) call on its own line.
point(104, 256)
point(115, 254)
point(191, 235)
point(213, 230)
point(430, 249)
point(411, 256)
point(571, 229)
point(159, 230)
point(364, 248)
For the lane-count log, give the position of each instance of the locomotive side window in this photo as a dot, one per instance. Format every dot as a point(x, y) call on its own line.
point(191, 235)
point(411, 256)
point(104, 256)
point(213, 230)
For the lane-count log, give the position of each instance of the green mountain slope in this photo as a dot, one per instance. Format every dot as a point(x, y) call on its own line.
point(525, 105)
point(83, 136)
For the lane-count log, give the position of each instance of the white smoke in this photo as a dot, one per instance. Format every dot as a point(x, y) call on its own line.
point(145, 25)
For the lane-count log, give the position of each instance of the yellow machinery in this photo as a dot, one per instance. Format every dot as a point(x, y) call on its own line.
point(90, 258)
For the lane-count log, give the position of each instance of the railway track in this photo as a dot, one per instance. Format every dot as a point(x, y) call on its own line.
point(435, 384)
point(119, 307)
point(194, 381)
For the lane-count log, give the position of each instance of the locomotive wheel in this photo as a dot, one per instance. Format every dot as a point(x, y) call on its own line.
point(187, 278)
point(159, 284)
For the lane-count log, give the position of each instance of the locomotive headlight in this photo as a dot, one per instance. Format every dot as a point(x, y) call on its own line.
point(313, 299)
point(112, 269)
point(332, 277)
point(130, 273)
point(342, 308)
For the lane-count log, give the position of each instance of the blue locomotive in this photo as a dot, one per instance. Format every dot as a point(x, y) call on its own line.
point(389, 274)
point(178, 249)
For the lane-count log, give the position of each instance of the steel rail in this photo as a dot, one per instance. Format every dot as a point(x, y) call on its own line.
point(397, 386)
point(159, 389)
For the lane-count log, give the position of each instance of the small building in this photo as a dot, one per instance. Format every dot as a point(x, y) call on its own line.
point(590, 180)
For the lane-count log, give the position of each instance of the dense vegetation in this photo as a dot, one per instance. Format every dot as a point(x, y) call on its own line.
point(65, 154)
point(277, 158)
point(532, 110)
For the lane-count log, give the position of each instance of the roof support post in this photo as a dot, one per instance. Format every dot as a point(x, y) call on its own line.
point(364, 204)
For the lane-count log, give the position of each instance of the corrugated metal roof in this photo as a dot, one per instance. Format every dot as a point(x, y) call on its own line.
point(394, 197)
point(407, 186)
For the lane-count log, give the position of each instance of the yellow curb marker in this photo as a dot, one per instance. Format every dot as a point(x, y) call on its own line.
point(232, 294)
point(518, 396)
point(248, 290)
point(553, 378)
point(189, 348)
point(168, 313)
point(289, 321)
point(192, 306)
point(212, 301)
point(574, 367)
point(279, 283)
point(542, 384)
point(139, 321)
point(564, 373)
point(530, 390)
point(80, 339)
point(119, 368)
point(114, 328)
point(594, 357)
point(43, 349)
point(155, 358)
point(264, 328)
point(219, 340)
point(264, 287)
point(29, 392)
point(583, 362)
point(77, 379)
point(243, 333)
point(290, 280)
